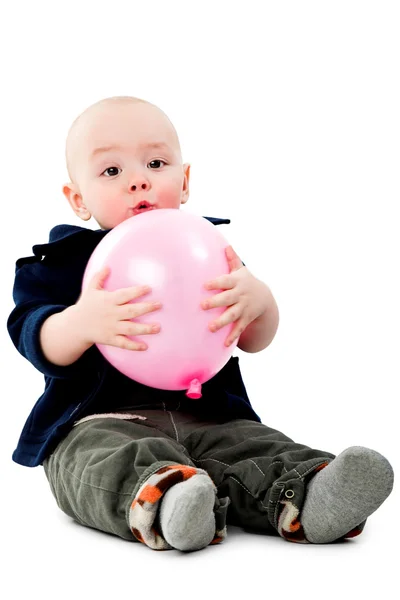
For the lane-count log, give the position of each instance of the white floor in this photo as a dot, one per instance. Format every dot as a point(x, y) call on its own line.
point(46, 555)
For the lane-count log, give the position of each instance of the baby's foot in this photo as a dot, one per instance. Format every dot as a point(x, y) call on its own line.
point(186, 513)
point(345, 493)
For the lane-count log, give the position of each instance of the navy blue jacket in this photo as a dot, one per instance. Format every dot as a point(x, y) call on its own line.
point(49, 282)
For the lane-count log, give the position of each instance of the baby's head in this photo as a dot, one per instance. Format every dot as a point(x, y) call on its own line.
point(120, 152)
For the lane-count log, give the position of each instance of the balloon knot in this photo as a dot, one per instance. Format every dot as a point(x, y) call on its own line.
point(194, 391)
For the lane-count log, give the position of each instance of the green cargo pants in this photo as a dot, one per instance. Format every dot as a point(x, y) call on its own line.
point(105, 465)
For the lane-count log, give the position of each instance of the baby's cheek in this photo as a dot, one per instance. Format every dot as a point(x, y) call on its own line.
point(111, 210)
point(169, 194)
point(169, 197)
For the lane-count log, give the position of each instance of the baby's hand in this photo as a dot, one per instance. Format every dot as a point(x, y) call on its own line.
point(245, 297)
point(105, 316)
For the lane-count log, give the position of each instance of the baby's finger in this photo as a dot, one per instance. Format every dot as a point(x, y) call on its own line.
point(225, 282)
point(237, 330)
point(137, 309)
point(230, 315)
point(133, 329)
point(127, 344)
point(234, 261)
point(124, 295)
point(226, 298)
point(97, 281)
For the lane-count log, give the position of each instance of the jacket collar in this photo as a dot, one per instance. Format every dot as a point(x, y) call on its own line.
point(63, 237)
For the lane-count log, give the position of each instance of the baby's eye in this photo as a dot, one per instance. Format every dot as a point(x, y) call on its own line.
point(155, 164)
point(109, 169)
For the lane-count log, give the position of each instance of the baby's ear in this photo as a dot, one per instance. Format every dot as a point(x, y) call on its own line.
point(71, 193)
point(185, 187)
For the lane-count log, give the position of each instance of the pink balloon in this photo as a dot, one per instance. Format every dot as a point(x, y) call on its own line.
point(175, 253)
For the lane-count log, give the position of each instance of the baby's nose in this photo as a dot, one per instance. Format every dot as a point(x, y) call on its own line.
point(139, 183)
point(139, 186)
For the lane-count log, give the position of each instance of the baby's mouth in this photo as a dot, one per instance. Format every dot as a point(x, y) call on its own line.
point(142, 207)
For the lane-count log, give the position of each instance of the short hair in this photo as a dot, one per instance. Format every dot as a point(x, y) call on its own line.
point(111, 100)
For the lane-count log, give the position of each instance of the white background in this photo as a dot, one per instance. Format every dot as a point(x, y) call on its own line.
point(289, 115)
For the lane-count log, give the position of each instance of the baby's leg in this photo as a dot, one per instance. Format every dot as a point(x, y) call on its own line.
point(266, 476)
point(113, 474)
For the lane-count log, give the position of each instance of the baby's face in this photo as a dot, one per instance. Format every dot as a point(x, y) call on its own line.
point(123, 155)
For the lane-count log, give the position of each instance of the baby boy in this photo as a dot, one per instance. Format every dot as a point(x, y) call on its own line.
point(145, 464)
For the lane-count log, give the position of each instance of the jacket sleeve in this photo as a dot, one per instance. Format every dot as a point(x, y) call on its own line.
point(37, 295)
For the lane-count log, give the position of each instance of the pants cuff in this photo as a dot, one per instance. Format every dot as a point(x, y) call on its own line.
point(144, 509)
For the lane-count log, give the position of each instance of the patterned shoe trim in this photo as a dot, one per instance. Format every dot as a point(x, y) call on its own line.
point(289, 525)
